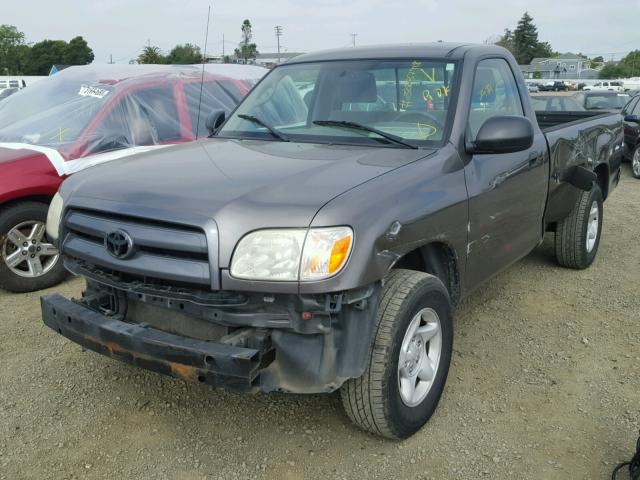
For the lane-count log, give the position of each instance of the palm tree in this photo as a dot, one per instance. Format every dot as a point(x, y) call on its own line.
point(151, 55)
point(246, 50)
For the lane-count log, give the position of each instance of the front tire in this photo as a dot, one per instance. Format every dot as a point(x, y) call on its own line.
point(577, 236)
point(28, 261)
point(409, 361)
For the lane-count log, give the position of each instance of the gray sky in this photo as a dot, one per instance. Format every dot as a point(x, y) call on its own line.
point(122, 27)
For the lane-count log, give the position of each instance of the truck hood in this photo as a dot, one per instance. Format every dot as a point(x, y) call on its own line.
point(240, 185)
point(210, 176)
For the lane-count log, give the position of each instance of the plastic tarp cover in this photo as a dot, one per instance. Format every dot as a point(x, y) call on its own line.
point(90, 110)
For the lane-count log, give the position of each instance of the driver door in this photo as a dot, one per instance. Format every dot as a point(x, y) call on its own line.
point(508, 191)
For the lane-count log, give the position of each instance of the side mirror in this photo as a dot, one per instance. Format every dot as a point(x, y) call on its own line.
point(504, 134)
point(215, 121)
point(632, 118)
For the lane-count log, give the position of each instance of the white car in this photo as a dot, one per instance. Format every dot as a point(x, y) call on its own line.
point(606, 86)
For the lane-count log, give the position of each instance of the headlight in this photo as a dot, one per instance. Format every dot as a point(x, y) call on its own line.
point(54, 216)
point(292, 254)
point(325, 252)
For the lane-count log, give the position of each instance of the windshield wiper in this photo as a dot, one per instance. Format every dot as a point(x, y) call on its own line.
point(271, 130)
point(358, 126)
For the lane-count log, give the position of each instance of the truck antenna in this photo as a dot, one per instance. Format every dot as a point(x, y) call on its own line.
point(204, 54)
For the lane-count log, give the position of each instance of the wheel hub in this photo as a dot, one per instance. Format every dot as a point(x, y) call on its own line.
point(414, 355)
point(635, 163)
point(25, 250)
point(419, 357)
point(593, 226)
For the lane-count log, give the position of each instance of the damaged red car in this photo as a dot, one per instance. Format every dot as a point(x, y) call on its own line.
point(85, 116)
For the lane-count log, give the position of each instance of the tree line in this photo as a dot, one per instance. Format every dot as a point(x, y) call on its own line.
point(524, 44)
point(629, 66)
point(19, 58)
point(189, 54)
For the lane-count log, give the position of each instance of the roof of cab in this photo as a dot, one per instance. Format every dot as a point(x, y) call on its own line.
point(393, 51)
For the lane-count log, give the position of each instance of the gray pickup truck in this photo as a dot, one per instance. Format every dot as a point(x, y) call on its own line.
point(319, 239)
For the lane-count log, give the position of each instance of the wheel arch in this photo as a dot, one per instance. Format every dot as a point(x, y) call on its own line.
point(46, 199)
point(602, 171)
point(436, 258)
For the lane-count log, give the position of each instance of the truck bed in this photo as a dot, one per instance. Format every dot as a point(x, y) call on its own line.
point(550, 120)
point(592, 139)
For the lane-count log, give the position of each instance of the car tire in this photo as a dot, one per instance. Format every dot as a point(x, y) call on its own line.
point(577, 236)
point(21, 219)
point(635, 162)
point(376, 402)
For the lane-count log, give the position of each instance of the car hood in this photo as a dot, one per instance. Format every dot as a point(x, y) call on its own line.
point(243, 185)
point(8, 155)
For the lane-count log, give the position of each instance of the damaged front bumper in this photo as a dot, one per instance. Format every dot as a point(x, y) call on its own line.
point(260, 344)
point(217, 364)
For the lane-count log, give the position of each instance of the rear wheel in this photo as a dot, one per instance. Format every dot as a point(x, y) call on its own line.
point(578, 236)
point(635, 162)
point(409, 362)
point(28, 261)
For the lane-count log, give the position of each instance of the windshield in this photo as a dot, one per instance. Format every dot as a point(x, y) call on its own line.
point(406, 99)
point(606, 102)
point(53, 112)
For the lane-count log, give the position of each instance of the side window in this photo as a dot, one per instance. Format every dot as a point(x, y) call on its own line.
point(495, 93)
point(216, 95)
point(114, 132)
point(636, 107)
point(155, 115)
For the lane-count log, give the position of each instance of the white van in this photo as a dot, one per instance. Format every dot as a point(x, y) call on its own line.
point(611, 86)
point(12, 82)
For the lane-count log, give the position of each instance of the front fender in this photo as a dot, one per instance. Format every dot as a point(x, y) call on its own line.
point(28, 177)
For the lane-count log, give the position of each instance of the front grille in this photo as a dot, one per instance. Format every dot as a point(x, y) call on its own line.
point(163, 252)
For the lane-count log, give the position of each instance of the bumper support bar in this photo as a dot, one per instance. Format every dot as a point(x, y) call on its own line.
point(197, 361)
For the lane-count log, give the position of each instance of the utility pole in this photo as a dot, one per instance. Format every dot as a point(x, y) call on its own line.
point(111, 59)
point(278, 30)
point(353, 38)
point(223, 48)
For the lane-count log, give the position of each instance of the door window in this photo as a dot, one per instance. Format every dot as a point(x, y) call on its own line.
point(156, 113)
point(495, 93)
point(214, 95)
point(114, 132)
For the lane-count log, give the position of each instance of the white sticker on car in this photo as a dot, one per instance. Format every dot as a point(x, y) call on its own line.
point(89, 91)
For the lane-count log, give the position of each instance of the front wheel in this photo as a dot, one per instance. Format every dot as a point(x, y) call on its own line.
point(28, 261)
point(635, 162)
point(578, 236)
point(410, 358)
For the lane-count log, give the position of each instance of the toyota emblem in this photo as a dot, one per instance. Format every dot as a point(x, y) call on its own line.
point(119, 244)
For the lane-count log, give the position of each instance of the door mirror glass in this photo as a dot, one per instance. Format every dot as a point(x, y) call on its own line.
point(503, 134)
point(632, 118)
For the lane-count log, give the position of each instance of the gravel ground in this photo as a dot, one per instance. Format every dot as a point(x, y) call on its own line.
point(545, 383)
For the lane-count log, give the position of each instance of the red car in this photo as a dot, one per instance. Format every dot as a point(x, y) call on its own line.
point(89, 115)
